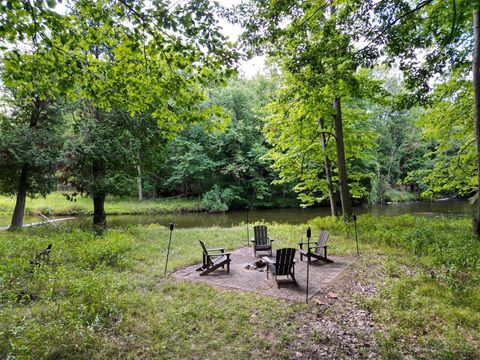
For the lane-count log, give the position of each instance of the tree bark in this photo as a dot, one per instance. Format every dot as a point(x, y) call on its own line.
point(99, 216)
point(140, 186)
point(476, 90)
point(342, 167)
point(19, 211)
point(328, 171)
point(98, 194)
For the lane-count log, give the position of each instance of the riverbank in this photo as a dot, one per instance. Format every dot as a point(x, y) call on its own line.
point(415, 292)
point(55, 204)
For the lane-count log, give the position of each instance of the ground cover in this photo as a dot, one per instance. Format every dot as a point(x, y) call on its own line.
point(414, 292)
point(57, 204)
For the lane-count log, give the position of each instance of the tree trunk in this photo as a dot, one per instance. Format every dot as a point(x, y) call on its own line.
point(99, 216)
point(342, 167)
point(19, 211)
point(99, 171)
point(140, 186)
point(328, 171)
point(476, 89)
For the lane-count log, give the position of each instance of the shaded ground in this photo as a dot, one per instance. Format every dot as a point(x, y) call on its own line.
point(337, 326)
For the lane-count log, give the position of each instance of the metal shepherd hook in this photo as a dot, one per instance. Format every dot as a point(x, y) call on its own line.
point(354, 217)
point(172, 226)
point(309, 235)
point(248, 232)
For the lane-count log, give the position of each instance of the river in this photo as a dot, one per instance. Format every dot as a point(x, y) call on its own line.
point(289, 216)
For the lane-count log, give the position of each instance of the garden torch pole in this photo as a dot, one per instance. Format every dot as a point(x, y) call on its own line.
point(354, 217)
point(172, 225)
point(248, 232)
point(309, 235)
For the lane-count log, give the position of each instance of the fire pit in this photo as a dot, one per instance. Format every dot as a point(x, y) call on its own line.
point(257, 265)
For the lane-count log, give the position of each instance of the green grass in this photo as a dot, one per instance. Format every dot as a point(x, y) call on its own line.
point(56, 204)
point(106, 297)
point(429, 284)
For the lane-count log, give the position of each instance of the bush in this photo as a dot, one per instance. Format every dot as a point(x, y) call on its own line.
point(218, 199)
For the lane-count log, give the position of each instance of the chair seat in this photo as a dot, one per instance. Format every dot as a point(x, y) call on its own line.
point(219, 259)
point(263, 247)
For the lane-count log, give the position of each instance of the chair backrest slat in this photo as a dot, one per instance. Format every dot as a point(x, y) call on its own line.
point(322, 240)
point(205, 252)
point(284, 261)
point(260, 234)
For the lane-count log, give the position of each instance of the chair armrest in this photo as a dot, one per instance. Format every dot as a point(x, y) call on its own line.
point(217, 249)
point(268, 260)
point(217, 255)
point(316, 247)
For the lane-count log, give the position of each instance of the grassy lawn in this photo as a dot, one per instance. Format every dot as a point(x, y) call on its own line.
point(106, 297)
point(56, 204)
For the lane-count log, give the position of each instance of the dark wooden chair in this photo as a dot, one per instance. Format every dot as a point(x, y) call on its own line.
point(260, 240)
point(283, 265)
point(212, 262)
point(42, 257)
point(317, 251)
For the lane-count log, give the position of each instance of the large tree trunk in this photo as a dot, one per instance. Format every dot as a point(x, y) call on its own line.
point(328, 171)
point(99, 171)
point(476, 89)
point(99, 216)
point(19, 211)
point(342, 167)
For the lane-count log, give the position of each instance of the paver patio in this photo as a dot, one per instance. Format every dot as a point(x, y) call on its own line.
point(321, 275)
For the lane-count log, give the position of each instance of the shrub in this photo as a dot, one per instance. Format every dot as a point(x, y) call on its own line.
point(218, 199)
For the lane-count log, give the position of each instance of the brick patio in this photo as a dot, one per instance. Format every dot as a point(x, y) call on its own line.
point(321, 275)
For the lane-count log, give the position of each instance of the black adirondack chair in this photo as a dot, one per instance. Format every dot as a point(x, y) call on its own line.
point(283, 265)
point(212, 262)
point(261, 241)
point(318, 251)
point(42, 257)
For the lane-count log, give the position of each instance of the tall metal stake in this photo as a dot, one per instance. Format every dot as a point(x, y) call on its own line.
point(356, 236)
point(172, 225)
point(248, 232)
point(309, 235)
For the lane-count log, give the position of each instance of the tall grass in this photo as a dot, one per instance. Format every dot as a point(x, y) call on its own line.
point(57, 204)
point(106, 297)
point(429, 293)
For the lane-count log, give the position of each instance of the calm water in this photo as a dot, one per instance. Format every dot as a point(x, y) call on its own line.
point(289, 216)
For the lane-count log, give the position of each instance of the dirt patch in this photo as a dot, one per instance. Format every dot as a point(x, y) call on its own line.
point(337, 325)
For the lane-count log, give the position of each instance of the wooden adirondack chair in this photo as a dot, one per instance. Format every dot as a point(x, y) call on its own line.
point(284, 265)
point(211, 261)
point(260, 240)
point(318, 251)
